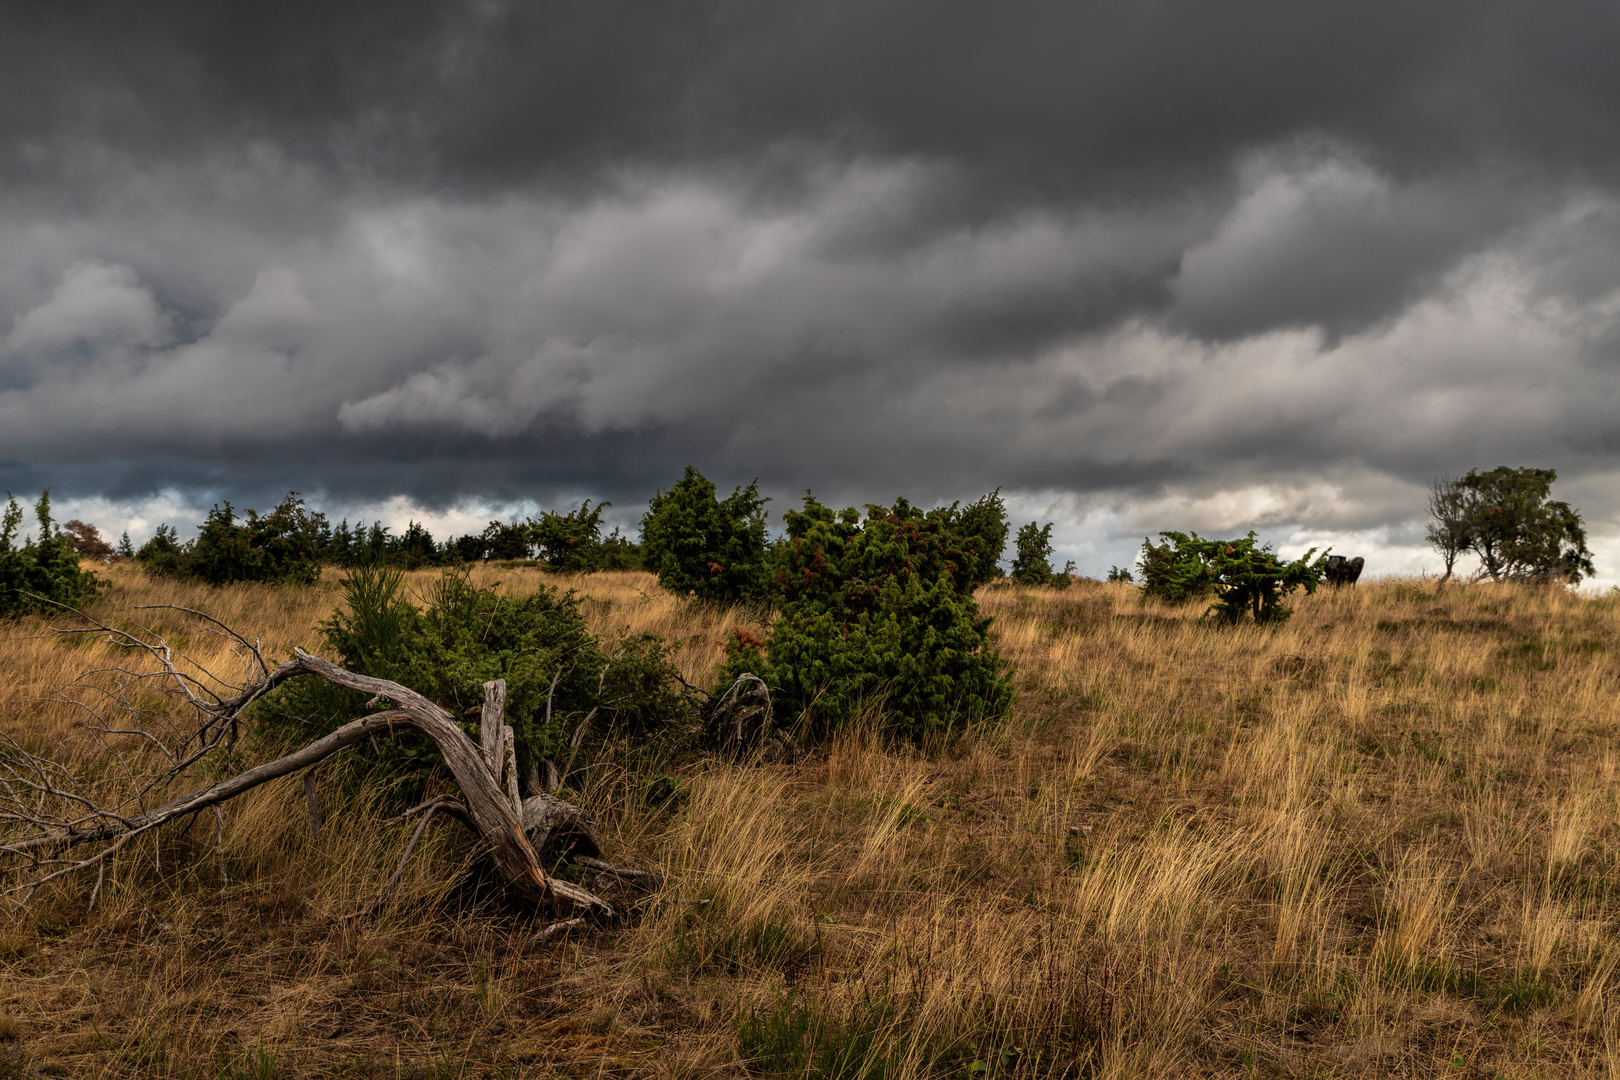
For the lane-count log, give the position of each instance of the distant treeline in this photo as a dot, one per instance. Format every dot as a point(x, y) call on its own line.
point(696, 541)
point(292, 542)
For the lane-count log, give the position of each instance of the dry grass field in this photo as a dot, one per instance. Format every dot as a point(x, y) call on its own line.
point(1382, 840)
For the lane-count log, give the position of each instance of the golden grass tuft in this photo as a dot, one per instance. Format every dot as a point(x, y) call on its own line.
point(1382, 839)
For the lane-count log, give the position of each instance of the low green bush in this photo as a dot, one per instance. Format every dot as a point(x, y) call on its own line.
point(459, 637)
point(875, 613)
point(42, 571)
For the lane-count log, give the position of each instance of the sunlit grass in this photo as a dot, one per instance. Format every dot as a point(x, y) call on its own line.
point(1381, 839)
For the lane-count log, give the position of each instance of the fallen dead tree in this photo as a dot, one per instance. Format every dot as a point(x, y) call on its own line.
point(50, 812)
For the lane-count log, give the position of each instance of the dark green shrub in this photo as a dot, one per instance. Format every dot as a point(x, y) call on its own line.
point(222, 551)
point(618, 552)
point(572, 543)
point(1246, 579)
point(873, 613)
point(458, 638)
point(466, 549)
point(1032, 567)
point(44, 570)
point(281, 546)
point(698, 543)
point(284, 545)
point(163, 555)
point(507, 542)
point(980, 529)
point(1173, 575)
point(415, 549)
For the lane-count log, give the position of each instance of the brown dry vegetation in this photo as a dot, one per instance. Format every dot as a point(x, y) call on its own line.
point(1380, 840)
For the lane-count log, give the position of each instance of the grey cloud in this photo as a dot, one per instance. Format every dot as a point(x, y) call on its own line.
point(1325, 240)
point(673, 308)
point(97, 305)
point(1238, 262)
point(1044, 98)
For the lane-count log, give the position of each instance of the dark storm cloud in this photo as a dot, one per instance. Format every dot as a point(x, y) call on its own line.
point(1163, 262)
point(1042, 95)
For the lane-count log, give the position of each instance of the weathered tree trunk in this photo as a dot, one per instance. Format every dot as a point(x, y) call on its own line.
point(741, 724)
point(492, 806)
point(551, 823)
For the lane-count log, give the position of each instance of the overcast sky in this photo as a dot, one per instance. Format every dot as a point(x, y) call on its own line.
point(1143, 265)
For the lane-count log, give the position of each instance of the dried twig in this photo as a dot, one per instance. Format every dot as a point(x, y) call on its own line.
point(545, 934)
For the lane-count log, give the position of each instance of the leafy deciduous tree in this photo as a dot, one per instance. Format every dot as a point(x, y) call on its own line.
point(1448, 521)
point(86, 540)
point(1504, 516)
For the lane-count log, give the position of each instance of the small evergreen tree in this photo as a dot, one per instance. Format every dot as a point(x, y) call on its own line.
point(981, 531)
point(371, 545)
point(570, 543)
point(43, 571)
point(126, 550)
point(1033, 566)
point(339, 545)
point(698, 543)
point(415, 549)
point(163, 555)
point(466, 549)
point(1246, 579)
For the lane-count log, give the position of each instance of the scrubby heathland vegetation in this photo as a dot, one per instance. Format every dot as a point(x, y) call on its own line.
point(1377, 839)
point(1021, 825)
